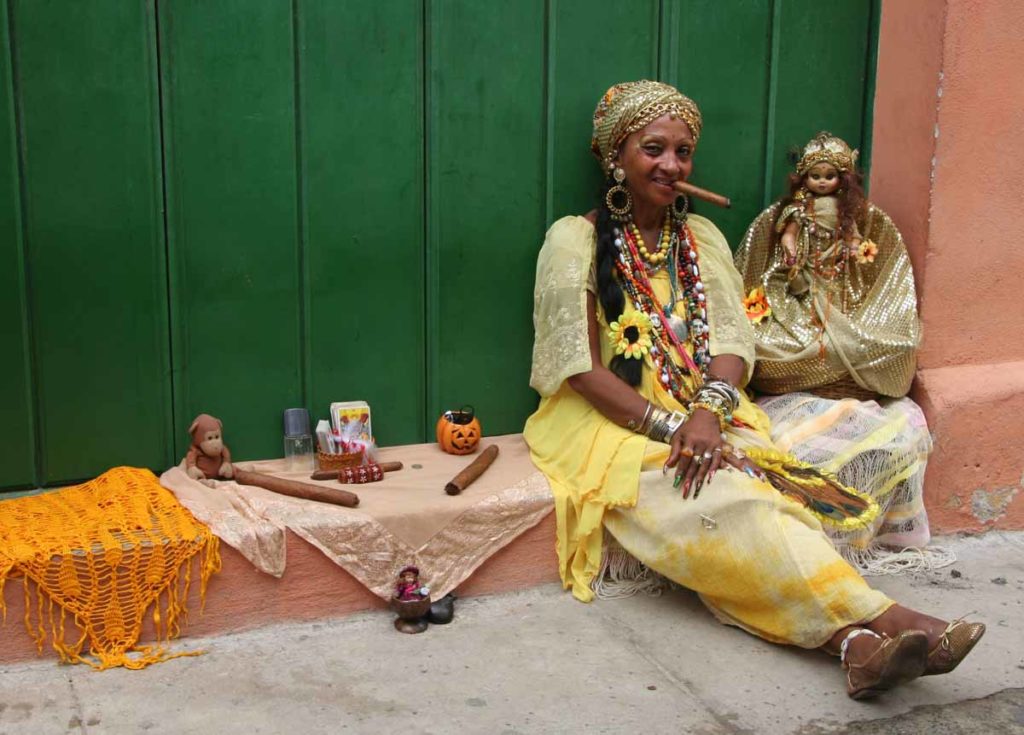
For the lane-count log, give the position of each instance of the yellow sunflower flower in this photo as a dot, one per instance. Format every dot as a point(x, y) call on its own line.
point(866, 252)
point(631, 335)
point(756, 305)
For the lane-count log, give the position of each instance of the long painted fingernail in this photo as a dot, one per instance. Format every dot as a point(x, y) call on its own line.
point(686, 489)
point(749, 471)
point(711, 476)
point(677, 481)
point(664, 470)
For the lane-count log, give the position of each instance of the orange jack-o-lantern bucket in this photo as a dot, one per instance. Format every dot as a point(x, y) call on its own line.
point(458, 432)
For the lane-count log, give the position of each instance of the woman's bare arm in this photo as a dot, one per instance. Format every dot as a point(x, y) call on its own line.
point(600, 386)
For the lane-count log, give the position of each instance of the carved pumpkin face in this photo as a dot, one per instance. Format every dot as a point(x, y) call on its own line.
point(455, 437)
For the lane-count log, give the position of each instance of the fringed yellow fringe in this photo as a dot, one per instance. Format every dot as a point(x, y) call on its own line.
point(103, 553)
point(810, 479)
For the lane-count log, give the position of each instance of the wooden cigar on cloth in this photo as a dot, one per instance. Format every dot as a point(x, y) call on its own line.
point(295, 489)
point(333, 474)
point(473, 470)
point(685, 187)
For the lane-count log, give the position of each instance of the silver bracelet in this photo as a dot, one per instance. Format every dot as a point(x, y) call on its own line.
point(639, 428)
point(677, 419)
point(658, 425)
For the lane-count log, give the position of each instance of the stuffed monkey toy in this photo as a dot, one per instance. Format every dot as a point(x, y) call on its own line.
point(208, 457)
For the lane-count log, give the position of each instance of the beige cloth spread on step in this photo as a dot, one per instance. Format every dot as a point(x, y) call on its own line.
point(404, 519)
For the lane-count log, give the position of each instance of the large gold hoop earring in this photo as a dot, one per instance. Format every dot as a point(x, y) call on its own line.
point(680, 208)
point(618, 199)
point(619, 202)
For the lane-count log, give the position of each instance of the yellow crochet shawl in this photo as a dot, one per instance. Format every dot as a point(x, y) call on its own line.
point(102, 553)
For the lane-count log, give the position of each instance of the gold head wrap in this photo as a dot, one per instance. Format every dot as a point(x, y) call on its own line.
point(827, 148)
point(631, 106)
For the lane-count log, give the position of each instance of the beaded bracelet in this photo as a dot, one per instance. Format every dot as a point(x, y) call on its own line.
point(717, 409)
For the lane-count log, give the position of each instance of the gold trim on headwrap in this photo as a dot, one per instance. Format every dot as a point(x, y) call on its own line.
point(827, 148)
point(631, 106)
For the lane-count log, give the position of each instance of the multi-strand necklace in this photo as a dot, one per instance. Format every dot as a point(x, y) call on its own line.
point(670, 331)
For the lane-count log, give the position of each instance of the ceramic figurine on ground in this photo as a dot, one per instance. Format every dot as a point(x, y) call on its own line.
point(411, 601)
point(208, 457)
point(409, 587)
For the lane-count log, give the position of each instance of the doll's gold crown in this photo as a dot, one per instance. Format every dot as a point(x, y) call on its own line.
point(827, 148)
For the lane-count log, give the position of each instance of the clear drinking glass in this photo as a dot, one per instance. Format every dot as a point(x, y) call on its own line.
point(298, 441)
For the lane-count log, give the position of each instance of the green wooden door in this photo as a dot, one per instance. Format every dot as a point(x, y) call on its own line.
point(237, 207)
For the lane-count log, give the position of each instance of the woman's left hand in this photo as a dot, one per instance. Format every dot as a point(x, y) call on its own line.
point(696, 451)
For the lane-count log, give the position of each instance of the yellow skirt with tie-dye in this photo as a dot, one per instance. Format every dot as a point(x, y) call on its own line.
point(758, 559)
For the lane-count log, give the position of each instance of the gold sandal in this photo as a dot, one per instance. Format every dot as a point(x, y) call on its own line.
point(896, 661)
point(956, 642)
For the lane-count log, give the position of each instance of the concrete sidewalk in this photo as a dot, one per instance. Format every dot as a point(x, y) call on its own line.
point(540, 662)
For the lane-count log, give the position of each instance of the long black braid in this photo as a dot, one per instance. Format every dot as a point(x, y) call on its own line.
point(609, 291)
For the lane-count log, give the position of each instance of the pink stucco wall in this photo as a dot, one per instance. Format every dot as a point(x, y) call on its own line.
point(949, 116)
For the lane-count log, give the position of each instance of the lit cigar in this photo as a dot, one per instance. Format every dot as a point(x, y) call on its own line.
point(685, 187)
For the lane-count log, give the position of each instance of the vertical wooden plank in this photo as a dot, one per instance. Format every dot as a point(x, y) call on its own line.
point(871, 71)
point(93, 233)
point(821, 77)
point(362, 161)
point(17, 451)
point(486, 205)
point(229, 135)
point(723, 59)
point(577, 77)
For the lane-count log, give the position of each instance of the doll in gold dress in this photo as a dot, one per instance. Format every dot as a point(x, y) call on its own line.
point(830, 296)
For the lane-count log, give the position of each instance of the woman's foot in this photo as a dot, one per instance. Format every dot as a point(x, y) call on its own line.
point(948, 644)
point(875, 664)
point(954, 644)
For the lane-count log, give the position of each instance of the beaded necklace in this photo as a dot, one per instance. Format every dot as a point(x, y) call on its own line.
point(661, 254)
point(686, 286)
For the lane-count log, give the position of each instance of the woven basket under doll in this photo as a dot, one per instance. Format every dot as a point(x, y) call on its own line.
point(339, 461)
point(845, 387)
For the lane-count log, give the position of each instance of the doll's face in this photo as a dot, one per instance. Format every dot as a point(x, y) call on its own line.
point(822, 179)
point(656, 157)
point(408, 577)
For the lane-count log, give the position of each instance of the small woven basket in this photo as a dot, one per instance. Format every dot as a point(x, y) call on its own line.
point(845, 387)
point(339, 461)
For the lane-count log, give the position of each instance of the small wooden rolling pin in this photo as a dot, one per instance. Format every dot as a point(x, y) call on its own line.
point(292, 488)
point(685, 187)
point(333, 474)
point(472, 471)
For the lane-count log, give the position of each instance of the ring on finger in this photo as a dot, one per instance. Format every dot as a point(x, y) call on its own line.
point(698, 459)
point(707, 455)
point(717, 450)
point(686, 452)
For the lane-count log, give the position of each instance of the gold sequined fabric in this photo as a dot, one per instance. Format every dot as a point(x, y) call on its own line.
point(860, 323)
point(628, 107)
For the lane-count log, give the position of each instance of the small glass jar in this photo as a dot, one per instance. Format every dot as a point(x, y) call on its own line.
point(298, 441)
point(298, 453)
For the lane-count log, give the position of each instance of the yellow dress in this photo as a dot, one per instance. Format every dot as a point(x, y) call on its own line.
point(757, 559)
